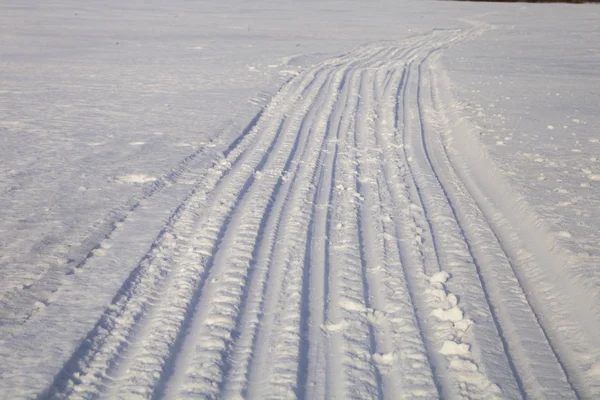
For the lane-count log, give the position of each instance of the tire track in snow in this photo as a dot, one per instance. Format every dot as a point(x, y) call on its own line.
point(541, 360)
point(318, 249)
point(331, 252)
point(241, 355)
point(347, 316)
point(88, 370)
point(416, 254)
point(187, 287)
point(243, 347)
point(297, 291)
point(334, 381)
point(371, 231)
point(216, 328)
point(118, 338)
point(317, 252)
point(402, 347)
point(533, 359)
point(349, 331)
point(445, 255)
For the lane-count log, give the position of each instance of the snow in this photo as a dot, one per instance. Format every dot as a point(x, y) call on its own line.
point(392, 199)
point(451, 348)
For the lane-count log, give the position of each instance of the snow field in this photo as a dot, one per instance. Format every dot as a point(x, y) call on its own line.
point(344, 246)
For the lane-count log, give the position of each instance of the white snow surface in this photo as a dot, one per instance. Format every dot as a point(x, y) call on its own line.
point(299, 199)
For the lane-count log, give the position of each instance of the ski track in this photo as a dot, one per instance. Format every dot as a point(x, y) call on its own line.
point(333, 251)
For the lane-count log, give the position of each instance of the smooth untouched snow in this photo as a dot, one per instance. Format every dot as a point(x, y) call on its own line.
point(299, 199)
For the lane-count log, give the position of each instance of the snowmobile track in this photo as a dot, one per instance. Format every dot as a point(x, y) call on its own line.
point(336, 250)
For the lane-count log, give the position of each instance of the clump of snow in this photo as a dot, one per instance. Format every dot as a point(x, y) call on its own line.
point(453, 314)
point(384, 359)
point(451, 348)
point(463, 325)
point(460, 364)
point(351, 305)
point(439, 277)
point(330, 328)
point(135, 178)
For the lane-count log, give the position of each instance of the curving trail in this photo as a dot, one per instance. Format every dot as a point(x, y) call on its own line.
point(337, 250)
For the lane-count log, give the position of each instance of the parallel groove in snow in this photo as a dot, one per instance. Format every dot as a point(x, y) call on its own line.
point(109, 340)
point(211, 234)
point(537, 350)
point(332, 252)
point(545, 377)
point(247, 233)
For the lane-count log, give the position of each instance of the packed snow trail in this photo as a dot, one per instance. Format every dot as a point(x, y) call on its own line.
point(334, 252)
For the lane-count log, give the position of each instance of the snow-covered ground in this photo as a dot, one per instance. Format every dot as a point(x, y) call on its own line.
point(394, 199)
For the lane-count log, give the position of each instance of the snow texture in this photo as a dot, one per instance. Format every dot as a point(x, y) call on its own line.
point(305, 200)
